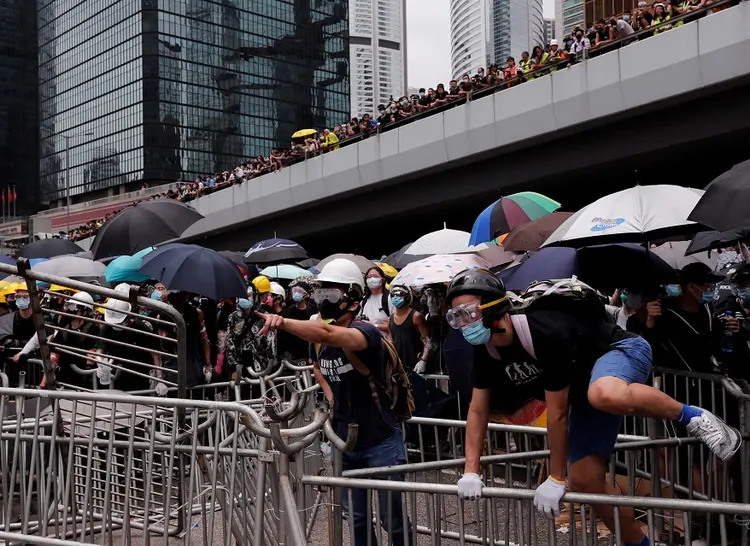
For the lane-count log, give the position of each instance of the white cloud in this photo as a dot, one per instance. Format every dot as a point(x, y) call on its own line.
point(428, 40)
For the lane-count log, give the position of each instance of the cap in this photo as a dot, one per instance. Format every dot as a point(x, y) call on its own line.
point(699, 273)
point(553, 41)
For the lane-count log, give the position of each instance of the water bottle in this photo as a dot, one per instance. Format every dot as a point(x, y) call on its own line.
point(727, 340)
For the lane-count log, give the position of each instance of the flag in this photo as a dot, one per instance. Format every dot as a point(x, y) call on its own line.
point(3, 196)
point(10, 196)
point(15, 193)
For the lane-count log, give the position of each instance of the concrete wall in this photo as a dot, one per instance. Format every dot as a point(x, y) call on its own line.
point(710, 51)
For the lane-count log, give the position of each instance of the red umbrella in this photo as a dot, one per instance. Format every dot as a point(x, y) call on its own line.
point(531, 235)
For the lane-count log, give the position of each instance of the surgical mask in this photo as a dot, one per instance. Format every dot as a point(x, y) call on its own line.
point(23, 303)
point(374, 282)
point(330, 311)
point(708, 296)
point(626, 17)
point(476, 333)
point(298, 297)
point(397, 301)
point(673, 290)
point(156, 295)
point(244, 304)
point(744, 294)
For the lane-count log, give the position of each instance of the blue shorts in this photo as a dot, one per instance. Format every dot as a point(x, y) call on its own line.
point(594, 432)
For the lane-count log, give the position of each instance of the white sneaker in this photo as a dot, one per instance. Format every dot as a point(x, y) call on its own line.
point(723, 440)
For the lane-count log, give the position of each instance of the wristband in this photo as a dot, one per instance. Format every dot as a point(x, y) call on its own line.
point(559, 482)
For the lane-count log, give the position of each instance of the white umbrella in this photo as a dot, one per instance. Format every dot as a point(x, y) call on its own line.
point(438, 269)
point(674, 254)
point(73, 267)
point(444, 241)
point(639, 214)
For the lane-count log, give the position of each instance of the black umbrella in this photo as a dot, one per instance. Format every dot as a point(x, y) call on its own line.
point(310, 262)
point(192, 268)
point(400, 259)
point(237, 257)
point(49, 248)
point(712, 240)
point(275, 251)
point(141, 226)
point(726, 204)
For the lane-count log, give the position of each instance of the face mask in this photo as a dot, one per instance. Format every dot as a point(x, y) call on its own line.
point(298, 297)
point(156, 295)
point(744, 294)
point(708, 296)
point(632, 301)
point(476, 333)
point(374, 282)
point(332, 311)
point(626, 17)
point(23, 303)
point(397, 301)
point(244, 304)
point(673, 290)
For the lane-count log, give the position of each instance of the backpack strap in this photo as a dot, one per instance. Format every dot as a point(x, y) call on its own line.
point(384, 303)
point(521, 327)
point(360, 367)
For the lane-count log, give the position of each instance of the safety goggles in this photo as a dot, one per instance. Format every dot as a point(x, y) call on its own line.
point(334, 295)
point(467, 313)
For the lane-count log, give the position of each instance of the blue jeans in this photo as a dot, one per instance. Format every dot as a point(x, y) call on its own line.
point(388, 453)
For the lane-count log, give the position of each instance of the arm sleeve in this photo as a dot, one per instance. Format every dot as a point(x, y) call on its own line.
point(31, 345)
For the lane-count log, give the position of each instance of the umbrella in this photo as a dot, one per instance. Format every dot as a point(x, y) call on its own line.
point(192, 268)
point(508, 213)
point(388, 269)
point(438, 269)
point(361, 262)
point(726, 203)
point(284, 271)
point(273, 251)
point(72, 267)
point(49, 248)
point(547, 264)
point(304, 133)
point(237, 257)
point(531, 235)
point(639, 214)
point(444, 241)
point(624, 265)
point(125, 268)
point(308, 263)
point(674, 253)
point(141, 226)
point(400, 259)
point(712, 240)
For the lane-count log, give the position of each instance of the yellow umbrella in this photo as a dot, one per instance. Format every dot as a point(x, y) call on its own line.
point(389, 270)
point(304, 133)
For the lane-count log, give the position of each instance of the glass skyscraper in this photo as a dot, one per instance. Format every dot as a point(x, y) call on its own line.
point(19, 121)
point(174, 89)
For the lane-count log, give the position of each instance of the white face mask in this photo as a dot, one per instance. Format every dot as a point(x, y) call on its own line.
point(374, 282)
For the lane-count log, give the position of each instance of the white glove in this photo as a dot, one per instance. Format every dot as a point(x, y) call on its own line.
point(103, 370)
point(470, 487)
point(547, 497)
point(208, 373)
point(161, 389)
point(420, 367)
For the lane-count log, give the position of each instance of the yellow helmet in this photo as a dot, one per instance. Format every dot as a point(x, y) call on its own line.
point(262, 284)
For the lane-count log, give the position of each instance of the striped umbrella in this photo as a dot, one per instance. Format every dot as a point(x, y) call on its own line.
point(510, 212)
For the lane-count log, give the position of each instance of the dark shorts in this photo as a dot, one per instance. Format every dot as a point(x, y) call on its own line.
point(594, 432)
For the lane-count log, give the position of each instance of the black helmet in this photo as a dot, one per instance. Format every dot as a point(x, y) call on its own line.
point(486, 286)
point(739, 274)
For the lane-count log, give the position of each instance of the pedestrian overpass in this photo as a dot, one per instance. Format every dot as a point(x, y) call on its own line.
point(659, 93)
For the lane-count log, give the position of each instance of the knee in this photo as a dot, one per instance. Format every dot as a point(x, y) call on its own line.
point(611, 397)
point(585, 482)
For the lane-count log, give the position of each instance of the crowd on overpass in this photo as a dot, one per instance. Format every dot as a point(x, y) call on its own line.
point(597, 38)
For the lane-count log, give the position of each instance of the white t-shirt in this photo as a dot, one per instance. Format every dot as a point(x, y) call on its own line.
point(372, 309)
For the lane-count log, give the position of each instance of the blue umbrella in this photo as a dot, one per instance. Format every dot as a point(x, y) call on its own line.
point(284, 271)
point(191, 268)
point(561, 263)
point(275, 251)
point(125, 268)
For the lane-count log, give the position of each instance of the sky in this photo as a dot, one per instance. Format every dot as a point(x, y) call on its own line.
point(428, 40)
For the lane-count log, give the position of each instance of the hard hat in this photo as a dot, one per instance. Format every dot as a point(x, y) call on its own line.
point(59, 288)
point(84, 298)
point(21, 286)
point(123, 288)
point(278, 290)
point(115, 311)
point(262, 284)
point(342, 271)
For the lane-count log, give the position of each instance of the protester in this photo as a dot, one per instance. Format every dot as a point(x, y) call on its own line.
point(409, 331)
point(346, 352)
point(590, 373)
point(301, 308)
point(376, 307)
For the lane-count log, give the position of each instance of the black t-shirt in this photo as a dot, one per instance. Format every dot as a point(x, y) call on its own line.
point(23, 328)
point(454, 91)
point(65, 372)
point(297, 347)
point(352, 397)
point(132, 350)
point(441, 95)
point(426, 100)
point(566, 349)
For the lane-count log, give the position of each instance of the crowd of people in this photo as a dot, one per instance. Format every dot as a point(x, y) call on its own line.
point(598, 37)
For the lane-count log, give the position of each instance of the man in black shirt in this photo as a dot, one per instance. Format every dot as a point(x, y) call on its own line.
point(345, 353)
point(292, 346)
point(590, 372)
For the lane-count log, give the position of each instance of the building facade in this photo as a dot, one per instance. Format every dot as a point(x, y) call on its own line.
point(550, 32)
point(517, 26)
point(19, 119)
point(377, 50)
point(569, 14)
point(470, 47)
point(162, 90)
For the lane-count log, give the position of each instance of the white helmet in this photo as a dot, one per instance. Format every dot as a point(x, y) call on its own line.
point(84, 298)
point(115, 311)
point(278, 290)
point(342, 271)
point(122, 288)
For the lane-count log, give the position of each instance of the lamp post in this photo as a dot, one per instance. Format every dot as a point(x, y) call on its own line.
point(67, 172)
